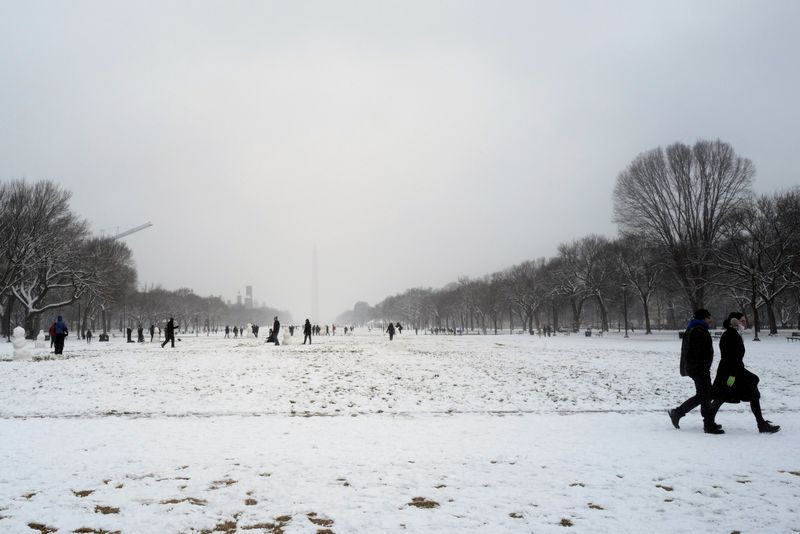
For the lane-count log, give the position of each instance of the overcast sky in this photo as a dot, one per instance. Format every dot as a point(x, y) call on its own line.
point(411, 142)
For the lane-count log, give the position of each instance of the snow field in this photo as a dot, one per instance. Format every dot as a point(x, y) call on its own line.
point(494, 433)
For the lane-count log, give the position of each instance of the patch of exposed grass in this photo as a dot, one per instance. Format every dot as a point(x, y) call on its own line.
point(82, 493)
point(29, 496)
point(217, 484)
point(44, 529)
point(594, 506)
point(250, 502)
point(228, 527)
point(422, 502)
point(190, 500)
point(565, 522)
point(105, 510)
point(87, 530)
point(320, 521)
point(665, 488)
point(515, 515)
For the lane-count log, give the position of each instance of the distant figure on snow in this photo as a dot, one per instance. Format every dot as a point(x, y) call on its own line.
point(140, 334)
point(399, 328)
point(235, 332)
point(307, 332)
point(152, 332)
point(61, 331)
point(227, 331)
point(169, 333)
point(88, 336)
point(390, 330)
point(276, 327)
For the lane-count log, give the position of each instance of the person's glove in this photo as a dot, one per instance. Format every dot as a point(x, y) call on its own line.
point(730, 381)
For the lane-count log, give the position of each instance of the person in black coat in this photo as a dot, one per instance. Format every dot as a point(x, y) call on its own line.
point(61, 332)
point(390, 331)
point(307, 332)
point(734, 383)
point(697, 354)
point(152, 332)
point(276, 326)
point(169, 333)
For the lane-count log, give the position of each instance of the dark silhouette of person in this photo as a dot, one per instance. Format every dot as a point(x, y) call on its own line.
point(235, 332)
point(61, 332)
point(152, 332)
point(697, 354)
point(227, 331)
point(734, 383)
point(88, 336)
point(307, 332)
point(390, 330)
point(399, 328)
point(276, 326)
point(129, 333)
point(169, 333)
point(140, 334)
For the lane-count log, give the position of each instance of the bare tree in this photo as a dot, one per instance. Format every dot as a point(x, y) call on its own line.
point(641, 266)
point(680, 197)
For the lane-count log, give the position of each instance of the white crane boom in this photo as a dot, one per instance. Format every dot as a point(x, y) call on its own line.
point(132, 230)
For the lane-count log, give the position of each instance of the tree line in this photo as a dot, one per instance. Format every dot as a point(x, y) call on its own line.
point(51, 264)
point(691, 234)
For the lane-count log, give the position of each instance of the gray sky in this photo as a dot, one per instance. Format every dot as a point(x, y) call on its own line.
point(412, 142)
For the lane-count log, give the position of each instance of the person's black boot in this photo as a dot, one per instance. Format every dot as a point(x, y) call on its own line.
point(675, 417)
point(712, 428)
point(768, 428)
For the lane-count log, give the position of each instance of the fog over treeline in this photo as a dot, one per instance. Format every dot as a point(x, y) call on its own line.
point(692, 234)
point(50, 264)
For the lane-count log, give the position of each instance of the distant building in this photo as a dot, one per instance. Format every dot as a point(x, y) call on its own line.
point(248, 297)
point(238, 299)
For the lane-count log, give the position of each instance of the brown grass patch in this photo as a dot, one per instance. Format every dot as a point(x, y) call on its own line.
point(105, 510)
point(190, 500)
point(283, 518)
point(228, 527)
point(515, 515)
point(440, 486)
point(44, 529)
point(324, 531)
point(217, 484)
point(565, 522)
point(29, 496)
point(594, 506)
point(250, 502)
point(320, 522)
point(87, 530)
point(82, 493)
point(665, 488)
point(422, 502)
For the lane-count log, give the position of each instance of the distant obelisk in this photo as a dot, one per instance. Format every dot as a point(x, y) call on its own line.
point(314, 288)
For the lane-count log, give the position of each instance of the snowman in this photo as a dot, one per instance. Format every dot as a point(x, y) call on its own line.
point(19, 342)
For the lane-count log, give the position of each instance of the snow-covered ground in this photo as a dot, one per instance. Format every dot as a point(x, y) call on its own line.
point(423, 434)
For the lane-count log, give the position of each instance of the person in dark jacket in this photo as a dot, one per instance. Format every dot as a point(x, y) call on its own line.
point(152, 332)
point(61, 332)
point(307, 332)
point(169, 333)
point(276, 327)
point(697, 354)
point(390, 330)
point(734, 383)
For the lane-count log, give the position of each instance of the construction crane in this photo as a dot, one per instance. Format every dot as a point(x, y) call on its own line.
point(132, 231)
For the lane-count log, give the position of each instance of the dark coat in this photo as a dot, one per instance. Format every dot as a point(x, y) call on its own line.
point(307, 328)
point(731, 363)
point(275, 327)
point(697, 349)
point(390, 329)
point(61, 327)
point(169, 330)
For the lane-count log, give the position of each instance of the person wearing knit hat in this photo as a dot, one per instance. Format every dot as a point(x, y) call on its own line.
point(734, 383)
point(697, 354)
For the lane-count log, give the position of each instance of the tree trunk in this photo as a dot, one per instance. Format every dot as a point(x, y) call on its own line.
point(773, 323)
point(646, 310)
point(603, 313)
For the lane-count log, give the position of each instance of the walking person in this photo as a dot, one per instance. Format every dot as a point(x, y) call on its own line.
point(734, 383)
point(169, 333)
point(152, 332)
point(390, 330)
point(61, 332)
point(697, 354)
point(88, 336)
point(307, 332)
point(276, 326)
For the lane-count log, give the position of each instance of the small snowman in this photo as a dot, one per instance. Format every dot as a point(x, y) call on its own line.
point(39, 343)
point(287, 338)
point(19, 342)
